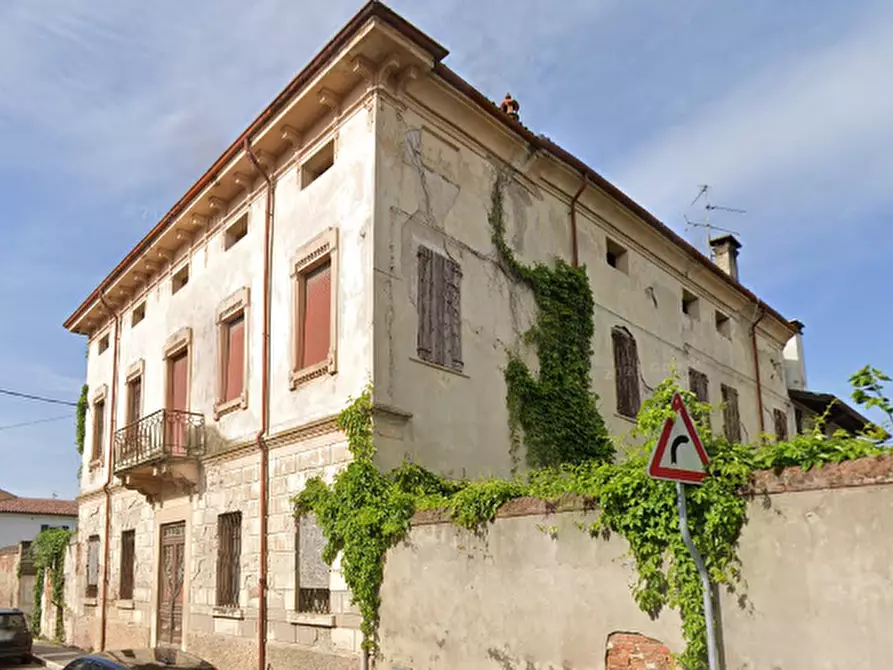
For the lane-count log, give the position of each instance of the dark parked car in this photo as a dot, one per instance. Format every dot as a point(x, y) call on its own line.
point(159, 658)
point(15, 638)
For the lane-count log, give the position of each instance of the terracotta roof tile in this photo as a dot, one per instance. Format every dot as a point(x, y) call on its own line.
point(43, 506)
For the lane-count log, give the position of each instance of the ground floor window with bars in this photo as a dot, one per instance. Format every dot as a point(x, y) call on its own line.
point(128, 548)
point(229, 555)
point(311, 572)
point(92, 566)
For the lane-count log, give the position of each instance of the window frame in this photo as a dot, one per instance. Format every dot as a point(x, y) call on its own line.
point(305, 595)
point(780, 420)
point(135, 372)
point(234, 306)
point(732, 434)
point(319, 250)
point(98, 438)
point(92, 590)
point(635, 402)
point(231, 521)
point(127, 568)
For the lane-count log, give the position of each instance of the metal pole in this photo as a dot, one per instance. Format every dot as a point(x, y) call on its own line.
point(712, 660)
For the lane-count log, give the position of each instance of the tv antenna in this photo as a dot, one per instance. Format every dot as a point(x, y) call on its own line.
point(704, 192)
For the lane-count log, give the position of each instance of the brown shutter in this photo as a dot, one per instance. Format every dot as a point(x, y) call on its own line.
point(440, 311)
point(234, 370)
point(699, 385)
point(425, 300)
point(317, 315)
point(626, 372)
point(134, 400)
point(128, 547)
point(731, 418)
point(98, 429)
point(453, 308)
point(781, 425)
point(438, 324)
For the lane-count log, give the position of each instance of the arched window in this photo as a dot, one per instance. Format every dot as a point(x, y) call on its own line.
point(626, 372)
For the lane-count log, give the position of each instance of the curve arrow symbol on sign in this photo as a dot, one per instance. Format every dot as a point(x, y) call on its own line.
point(678, 442)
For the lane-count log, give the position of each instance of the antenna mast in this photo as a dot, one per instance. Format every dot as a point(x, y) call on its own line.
point(704, 191)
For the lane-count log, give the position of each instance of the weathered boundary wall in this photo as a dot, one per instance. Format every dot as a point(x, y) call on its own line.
point(536, 593)
point(9, 581)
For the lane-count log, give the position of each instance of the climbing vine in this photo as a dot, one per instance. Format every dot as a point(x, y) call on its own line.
point(48, 553)
point(556, 411)
point(80, 427)
point(869, 391)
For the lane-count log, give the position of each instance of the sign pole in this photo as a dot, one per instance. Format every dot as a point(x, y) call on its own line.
point(712, 660)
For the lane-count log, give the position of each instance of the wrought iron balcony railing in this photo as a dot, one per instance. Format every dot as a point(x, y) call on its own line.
point(162, 435)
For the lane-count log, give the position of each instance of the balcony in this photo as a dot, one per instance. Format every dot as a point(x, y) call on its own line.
point(159, 453)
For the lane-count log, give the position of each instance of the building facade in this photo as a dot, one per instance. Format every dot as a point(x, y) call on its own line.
point(21, 519)
point(343, 239)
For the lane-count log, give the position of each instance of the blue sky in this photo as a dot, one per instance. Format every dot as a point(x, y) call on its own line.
point(110, 110)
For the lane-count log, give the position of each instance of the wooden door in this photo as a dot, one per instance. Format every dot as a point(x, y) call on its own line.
point(170, 583)
point(178, 402)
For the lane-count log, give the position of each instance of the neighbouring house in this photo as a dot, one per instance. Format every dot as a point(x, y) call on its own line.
point(343, 238)
point(23, 518)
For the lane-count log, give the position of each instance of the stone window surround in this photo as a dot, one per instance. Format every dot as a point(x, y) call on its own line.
point(175, 344)
point(99, 396)
point(308, 257)
point(237, 303)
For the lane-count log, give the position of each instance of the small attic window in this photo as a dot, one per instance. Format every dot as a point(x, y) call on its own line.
point(616, 256)
point(314, 167)
point(723, 324)
point(690, 305)
point(139, 313)
point(235, 232)
point(103, 343)
point(180, 279)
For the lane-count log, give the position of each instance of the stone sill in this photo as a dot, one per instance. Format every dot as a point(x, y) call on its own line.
point(307, 619)
point(628, 419)
point(228, 613)
point(124, 604)
point(442, 368)
point(88, 602)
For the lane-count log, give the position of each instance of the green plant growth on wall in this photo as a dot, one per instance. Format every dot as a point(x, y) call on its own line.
point(80, 427)
point(869, 390)
point(48, 553)
point(555, 414)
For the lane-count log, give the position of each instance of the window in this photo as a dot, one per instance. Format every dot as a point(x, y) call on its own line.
point(103, 343)
point(798, 420)
point(98, 429)
point(92, 566)
point(232, 357)
point(690, 305)
point(139, 313)
point(315, 166)
point(626, 372)
point(229, 554)
point(316, 291)
point(134, 399)
point(699, 384)
point(235, 232)
point(439, 305)
point(723, 324)
point(731, 418)
point(180, 279)
point(311, 572)
point(781, 424)
point(44, 526)
point(616, 256)
point(128, 548)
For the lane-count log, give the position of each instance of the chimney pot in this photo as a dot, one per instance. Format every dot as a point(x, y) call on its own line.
point(725, 254)
point(511, 107)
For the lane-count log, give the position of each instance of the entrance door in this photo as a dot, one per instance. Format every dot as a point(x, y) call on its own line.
point(178, 401)
point(170, 583)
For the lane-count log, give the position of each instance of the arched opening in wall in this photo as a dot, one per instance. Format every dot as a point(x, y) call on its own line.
point(632, 651)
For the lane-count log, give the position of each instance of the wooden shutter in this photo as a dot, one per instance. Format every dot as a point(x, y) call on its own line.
point(229, 553)
point(134, 400)
point(626, 372)
point(781, 424)
point(731, 418)
point(98, 429)
point(317, 317)
point(92, 566)
point(128, 547)
point(699, 384)
point(440, 309)
point(234, 360)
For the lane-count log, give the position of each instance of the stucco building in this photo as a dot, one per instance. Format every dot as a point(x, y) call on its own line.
point(21, 519)
point(343, 239)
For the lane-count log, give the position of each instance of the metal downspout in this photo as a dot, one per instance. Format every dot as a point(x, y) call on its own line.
point(264, 412)
point(575, 252)
point(761, 312)
point(103, 612)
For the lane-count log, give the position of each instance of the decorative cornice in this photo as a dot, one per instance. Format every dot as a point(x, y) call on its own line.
point(389, 64)
point(409, 74)
point(291, 135)
point(243, 180)
point(363, 67)
point(199, 220)
point(217, 204)
point(330, 99)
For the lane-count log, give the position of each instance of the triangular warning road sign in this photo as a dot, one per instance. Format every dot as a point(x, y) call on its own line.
point(679, 455)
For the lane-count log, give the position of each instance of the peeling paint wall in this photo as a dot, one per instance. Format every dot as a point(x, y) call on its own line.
point(435, 168)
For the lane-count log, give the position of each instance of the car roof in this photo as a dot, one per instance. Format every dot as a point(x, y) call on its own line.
point(10, 610)
point(160, 657)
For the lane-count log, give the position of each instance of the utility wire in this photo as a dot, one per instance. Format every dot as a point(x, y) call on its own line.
point(38, 398)
point(35, 422)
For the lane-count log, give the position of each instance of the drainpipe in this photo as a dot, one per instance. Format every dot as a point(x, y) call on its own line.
point(575, 254)
point(761, 312)
point(264, 414)
point(108, 472)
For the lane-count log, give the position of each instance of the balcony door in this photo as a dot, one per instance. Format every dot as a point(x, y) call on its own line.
point(177, 402)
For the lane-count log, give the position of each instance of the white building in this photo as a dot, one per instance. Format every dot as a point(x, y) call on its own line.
point(21, 519)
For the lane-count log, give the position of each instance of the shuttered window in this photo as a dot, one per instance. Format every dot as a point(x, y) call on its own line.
point(731, 417)
point(92, 566)
point(699, 385)
point(626, 372)
point(98, 429)
point(316, 321)
point(229, 555)
point(233, 357)
point(440, 309)
point(128, 547)
point(781, 424)
point(134, 400)
point(311, 572)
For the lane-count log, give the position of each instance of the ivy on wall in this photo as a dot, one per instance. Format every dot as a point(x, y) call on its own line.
point(48, 553)
point(554, 414)
point(80, 428)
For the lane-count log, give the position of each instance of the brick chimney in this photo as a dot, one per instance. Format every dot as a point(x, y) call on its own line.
point(511, 107)
point(725, 254)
